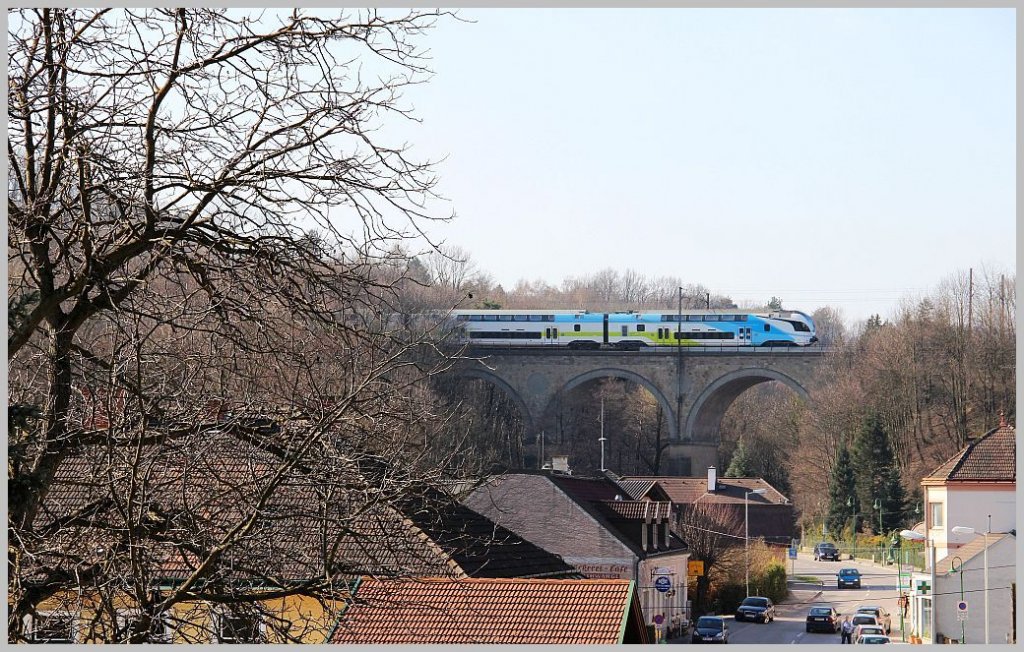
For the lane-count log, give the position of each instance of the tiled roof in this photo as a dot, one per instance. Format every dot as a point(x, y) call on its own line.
point(512, 611)
point(968, 551)
point(644, 510)
point(992, 457)
point(329, 521)
point(728, 490)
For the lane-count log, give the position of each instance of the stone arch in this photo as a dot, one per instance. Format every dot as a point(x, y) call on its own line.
point(611, 372)
point(705, 416)
point(494, 379)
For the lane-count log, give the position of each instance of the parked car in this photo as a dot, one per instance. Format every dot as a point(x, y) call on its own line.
point(872, 638)
point(849, 577)
point(868, 630)
point(756, 608)
point(710, 629)
point(825, 550)
point(884, 619)
point(823, 619)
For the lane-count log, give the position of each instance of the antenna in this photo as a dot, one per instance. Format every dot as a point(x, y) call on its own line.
point(602, 438)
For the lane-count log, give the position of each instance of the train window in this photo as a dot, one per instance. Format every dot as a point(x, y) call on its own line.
point(504, 317)
point(490, 318)
point(640, 328)
point(739, 318)
point(576, 327)
point(536, 317)
point(625, 330)
point(767, 327)
point(712, 318)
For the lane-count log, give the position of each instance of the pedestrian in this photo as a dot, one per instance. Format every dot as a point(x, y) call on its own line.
point(847, 631)
point(904, 603)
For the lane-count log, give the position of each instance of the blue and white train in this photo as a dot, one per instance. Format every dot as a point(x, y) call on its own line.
point(579, 329)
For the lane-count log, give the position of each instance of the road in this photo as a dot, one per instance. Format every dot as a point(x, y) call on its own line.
point(878, 587)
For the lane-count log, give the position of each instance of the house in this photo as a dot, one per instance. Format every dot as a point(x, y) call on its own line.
point(771, 514)
point(976, 489)
point(966, 569)
point(972, 488)
point(246, 543)
point(593, 525)
point(512, 611)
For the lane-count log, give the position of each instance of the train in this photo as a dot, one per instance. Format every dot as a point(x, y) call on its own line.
point(582, 329)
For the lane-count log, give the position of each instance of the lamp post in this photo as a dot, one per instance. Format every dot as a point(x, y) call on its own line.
point(746, 534)
point(957, 566)
point(878, 506)
point(914, 536)
point(959, 529)
point(852, 503)
point(899, 581)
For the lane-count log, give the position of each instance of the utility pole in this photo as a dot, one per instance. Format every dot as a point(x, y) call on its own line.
point(970, 302)
point(601, 438)
point(679, 364)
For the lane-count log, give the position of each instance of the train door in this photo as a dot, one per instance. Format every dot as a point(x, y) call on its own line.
point(551, 335)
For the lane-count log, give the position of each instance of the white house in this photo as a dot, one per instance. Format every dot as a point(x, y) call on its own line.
point(1002, 575)
point(975, 488)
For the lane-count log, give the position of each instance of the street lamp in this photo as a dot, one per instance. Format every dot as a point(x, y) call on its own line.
point(957, 566)
point(878, 506)
point(960, 529)
point(852, 503)
point(916, 536)
point(746, 534)
point(899, 582)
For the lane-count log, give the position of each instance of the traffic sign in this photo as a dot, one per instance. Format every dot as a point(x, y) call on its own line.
point(659, 619)
point(961, 610)
point(695, 568)
point(792, 553)
point(663, 584)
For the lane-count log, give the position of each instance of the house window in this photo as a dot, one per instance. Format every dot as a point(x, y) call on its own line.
point(53, 627)
point(130, 622)
point(238, 628)
point(936, 513)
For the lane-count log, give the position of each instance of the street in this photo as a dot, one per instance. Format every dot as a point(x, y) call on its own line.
point(878, 587)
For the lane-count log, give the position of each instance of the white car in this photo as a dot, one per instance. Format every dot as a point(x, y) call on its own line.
point(868, 639)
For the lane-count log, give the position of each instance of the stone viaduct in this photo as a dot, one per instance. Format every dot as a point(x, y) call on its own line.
point(694, 386)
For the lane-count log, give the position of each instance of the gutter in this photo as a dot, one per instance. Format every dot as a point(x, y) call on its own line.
point(625, 612)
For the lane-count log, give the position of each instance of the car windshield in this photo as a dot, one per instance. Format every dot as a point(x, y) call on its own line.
point(863, 619)
point(875, 639)
point(820, 611)
point(710, 623)
point(826, 546)
point(868, 610)
point(849, 572)
point(755, 602)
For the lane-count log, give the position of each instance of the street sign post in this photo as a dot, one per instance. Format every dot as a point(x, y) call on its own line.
point(961, 610)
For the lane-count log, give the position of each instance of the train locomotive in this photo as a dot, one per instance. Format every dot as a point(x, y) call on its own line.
point(580, 329)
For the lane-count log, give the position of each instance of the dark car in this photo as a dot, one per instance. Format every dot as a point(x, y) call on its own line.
point(710, 629)
point(880, 614)
point(849, 577)
point(825, 550)
point(823, 619)
point(756, 608)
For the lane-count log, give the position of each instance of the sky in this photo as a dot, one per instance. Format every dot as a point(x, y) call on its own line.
point(844, 157)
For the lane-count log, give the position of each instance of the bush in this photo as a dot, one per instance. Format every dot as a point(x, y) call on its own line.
point(770, 582)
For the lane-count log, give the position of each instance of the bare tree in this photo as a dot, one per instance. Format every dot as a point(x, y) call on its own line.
point(709, 529)
point(203, 211)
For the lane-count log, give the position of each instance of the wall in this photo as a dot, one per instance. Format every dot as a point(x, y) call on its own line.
point(969, 505)
point(668, 604)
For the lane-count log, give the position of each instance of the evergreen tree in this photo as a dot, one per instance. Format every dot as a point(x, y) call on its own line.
point(877, 476)
point(742, 463)
point(841, 486)
point(756, 458)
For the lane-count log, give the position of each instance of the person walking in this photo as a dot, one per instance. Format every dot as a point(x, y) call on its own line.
point(847, 631)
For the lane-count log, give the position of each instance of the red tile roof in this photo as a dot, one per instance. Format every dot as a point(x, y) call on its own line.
point(445, 611)
point(991, 458)
point(643, 510)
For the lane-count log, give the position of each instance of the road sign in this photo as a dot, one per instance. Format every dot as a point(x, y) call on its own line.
point(695, 568)
point(792, 553)
point(961, 610)
point(659, 619)
point(663, 584)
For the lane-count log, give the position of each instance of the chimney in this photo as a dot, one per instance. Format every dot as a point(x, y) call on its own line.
point(712, 479)
point(560, 463)
point(1002, 419)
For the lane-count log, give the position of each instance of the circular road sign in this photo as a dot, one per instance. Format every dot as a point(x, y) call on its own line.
point(663, 584)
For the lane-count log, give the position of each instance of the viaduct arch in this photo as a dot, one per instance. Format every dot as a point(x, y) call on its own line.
point(694, 388)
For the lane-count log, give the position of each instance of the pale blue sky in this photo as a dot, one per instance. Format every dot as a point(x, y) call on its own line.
point(843, 157)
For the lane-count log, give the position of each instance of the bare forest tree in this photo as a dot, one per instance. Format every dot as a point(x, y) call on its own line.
point(710, 530)
point(205, 230)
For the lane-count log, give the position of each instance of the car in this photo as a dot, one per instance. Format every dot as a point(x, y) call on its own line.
point(710, 629)
point(756, 608)
point(868, 630)
point(848, 577)
point(860, 620)
point(825, 550)
point(872, 638)
point(884, 619)
point(823, 619)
